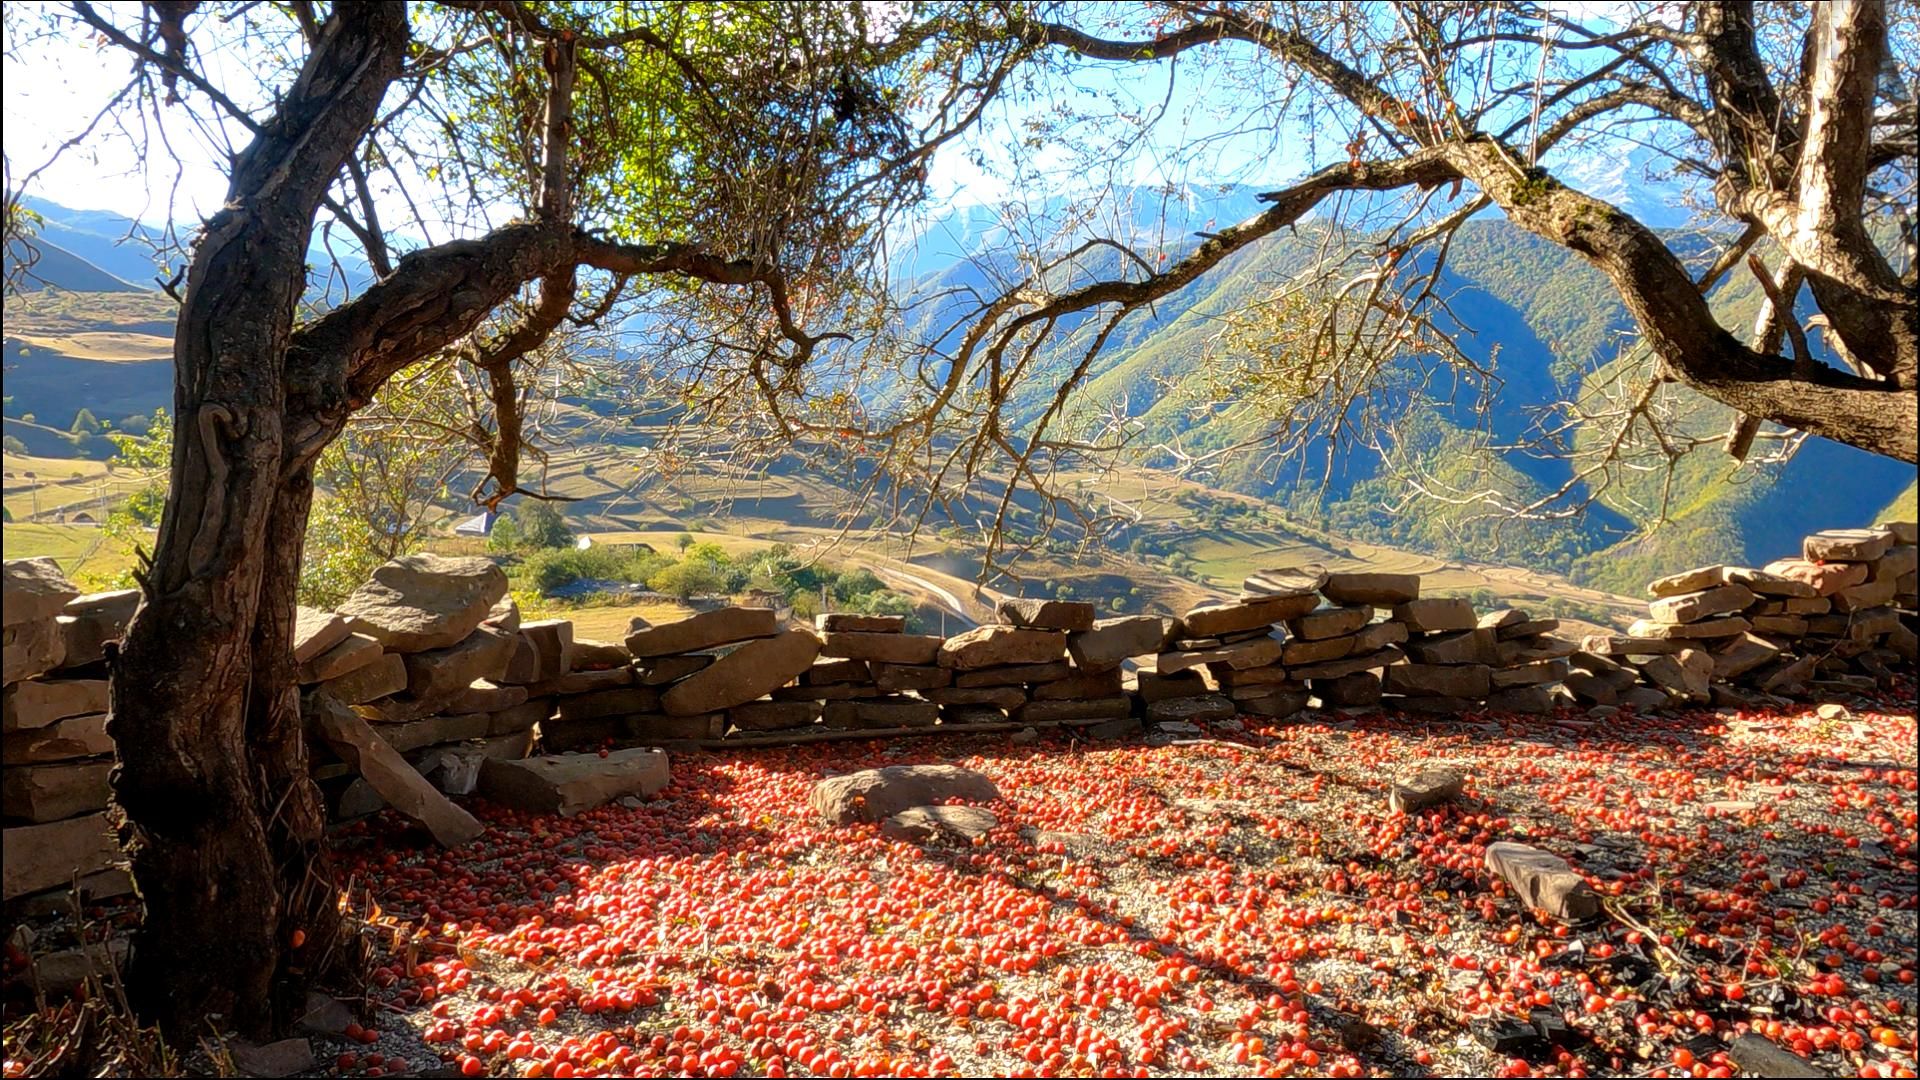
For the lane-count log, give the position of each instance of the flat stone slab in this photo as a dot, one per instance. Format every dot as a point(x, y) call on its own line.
point(774, 715)
point(590, 654)
point(990, 646)
point(44, 701)
point(567, 784)
point(1432, 614)
point(850, 622)
point(953, 824)
point(1208, 707)
point(1543, 880)
point(1847, 545)
point(1209, 620)
point(1107, 708)
point(42, 793)
point(1329, 622)
point(33, 590)
point(542, 650)
point(1704, 630)
point(1041, 614)
point(1348, 691)
point(1000, 697)
point(389, 774)
point(1536, 673)
point(350, 653)
point(1474, 646)
point(30, 649)
point(419, 602)
point(1825, 578)
point(1428, 787)
point(1287, 581)
point(880, 713)
point(1112, 642)
point(885, 648)
point(37, 857)
point(876, 794)
point(88, 622)
point(1379, 590)
point(1531, 700)
point(1348, 665)
point(66, 738)
point(386, 675)
point(1092, 684)
point(1694, 606)
point(706, 630)
point(893, 678)
point(751, 671)
point(1258, 652)
point(1757, 1055)
point(316, 631)
point(615, 701)
point(1439, 680)
point(440, 673)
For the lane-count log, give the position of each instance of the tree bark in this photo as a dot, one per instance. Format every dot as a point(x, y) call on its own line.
point(212, 791)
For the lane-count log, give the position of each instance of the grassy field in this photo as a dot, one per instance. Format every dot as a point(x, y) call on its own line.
point(107, 346)
point(48, 490)
point(86, 554)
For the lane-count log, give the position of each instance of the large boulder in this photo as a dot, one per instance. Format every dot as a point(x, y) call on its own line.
point(1039, 614)
point(1112, 642)
point(567, 784)
point(33, 590)
point(992, 646)
point(419, 602)
point(706, 630)
point(749, 672)
point(876, 794)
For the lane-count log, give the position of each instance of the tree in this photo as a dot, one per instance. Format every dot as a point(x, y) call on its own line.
point(737, 161)
point(545, 526)
point(1780, 111)
point(84, 423)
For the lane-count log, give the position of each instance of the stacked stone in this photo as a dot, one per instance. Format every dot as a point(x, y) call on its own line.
point(693, 677)
point(1229, 658)
point(1860, 572)
point(1532, 662)
point(863, 676)
point(1022, 666)
point(53, 784)
point(434, 655)
point(1906, 588)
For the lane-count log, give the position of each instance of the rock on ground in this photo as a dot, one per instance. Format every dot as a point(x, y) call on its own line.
point(1543, 880)
point(875, 794)
point(1428, 787)
point(921, 824)
point(567, 784)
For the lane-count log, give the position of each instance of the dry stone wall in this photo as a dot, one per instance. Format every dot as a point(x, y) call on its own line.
point(427, 682)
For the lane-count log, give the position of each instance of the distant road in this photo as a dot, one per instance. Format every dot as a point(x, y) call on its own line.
point(946, 597)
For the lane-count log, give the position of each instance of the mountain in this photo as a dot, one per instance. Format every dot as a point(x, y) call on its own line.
point(1541, 321)
point(42, 264)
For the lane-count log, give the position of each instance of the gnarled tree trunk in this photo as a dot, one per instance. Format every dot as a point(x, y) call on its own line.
point(217, 810)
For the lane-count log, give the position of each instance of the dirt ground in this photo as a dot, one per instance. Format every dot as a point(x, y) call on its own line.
point(1240, 904)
